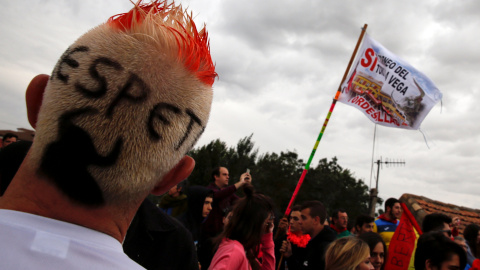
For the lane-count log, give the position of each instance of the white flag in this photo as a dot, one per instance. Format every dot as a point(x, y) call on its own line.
point(388, 90)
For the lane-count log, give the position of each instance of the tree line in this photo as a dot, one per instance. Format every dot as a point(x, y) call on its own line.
point(276, 175)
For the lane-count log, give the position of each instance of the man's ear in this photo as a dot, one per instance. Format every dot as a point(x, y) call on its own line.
point(34, 97)
point(176, 175)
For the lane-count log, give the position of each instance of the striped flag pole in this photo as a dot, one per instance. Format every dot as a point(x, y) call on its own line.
point(307, 166)
point(325, 123)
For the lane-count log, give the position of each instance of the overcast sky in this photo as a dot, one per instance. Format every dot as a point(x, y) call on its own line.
point(280, 63)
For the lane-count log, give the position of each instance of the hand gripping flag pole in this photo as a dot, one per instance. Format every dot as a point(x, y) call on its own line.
point(307, 166)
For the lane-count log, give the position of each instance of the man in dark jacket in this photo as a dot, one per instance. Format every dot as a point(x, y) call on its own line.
point(223, 198)
point(11, 157)
point(157, 241)
point(297, 241)
point(313, 215)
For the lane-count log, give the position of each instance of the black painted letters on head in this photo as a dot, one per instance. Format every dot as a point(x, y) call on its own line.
point(102, 88)
point(69, 61)
point(156, 113)
point(125, 93)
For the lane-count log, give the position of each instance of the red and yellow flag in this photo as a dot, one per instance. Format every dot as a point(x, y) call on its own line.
point(404, 241)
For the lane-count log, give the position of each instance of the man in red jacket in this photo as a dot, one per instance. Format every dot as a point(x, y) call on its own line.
point(223, 198)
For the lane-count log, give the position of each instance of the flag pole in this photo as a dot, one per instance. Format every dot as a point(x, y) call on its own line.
point(307, 166)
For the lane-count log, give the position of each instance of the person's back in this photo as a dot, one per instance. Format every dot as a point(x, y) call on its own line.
point(317, 247)
point(11, 157)
point(156, 240)
point(110, 129)
point(41, 243)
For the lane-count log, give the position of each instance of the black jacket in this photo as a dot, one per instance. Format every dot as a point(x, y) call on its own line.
point(192, 219)
point(158, 241)
point(314, 256)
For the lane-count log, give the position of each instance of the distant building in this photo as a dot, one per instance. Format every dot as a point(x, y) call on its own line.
point(421, 206)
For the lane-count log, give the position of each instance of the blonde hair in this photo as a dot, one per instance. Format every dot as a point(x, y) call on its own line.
point(124, 104)
point(346, 253)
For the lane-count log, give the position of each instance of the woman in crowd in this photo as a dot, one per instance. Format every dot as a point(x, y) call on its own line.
point(348, 253)
point(472, 237)
point(378, 249)
point(249, 231)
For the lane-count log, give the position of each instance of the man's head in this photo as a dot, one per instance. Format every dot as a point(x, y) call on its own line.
point(393, 209)
point(174, 191)
point(340, 218)
point(123, 105)
point(295, 216)
point(435, 251)
point(9, 138)
point(313, 215)
point(363, 224)
point(200, 201)
point(471, 233)
point(177, 190)
point(207, 205)
point(437, 222)
point(220, 177)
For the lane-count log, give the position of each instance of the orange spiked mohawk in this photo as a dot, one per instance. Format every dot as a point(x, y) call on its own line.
point(193, 46)
point(145, 77)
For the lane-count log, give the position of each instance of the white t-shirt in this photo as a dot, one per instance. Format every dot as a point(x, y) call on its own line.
point(29, 241)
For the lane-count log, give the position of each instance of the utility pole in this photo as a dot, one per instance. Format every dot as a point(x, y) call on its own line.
point(374, 191)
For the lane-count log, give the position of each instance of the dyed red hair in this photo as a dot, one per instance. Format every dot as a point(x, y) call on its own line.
point(193, 46)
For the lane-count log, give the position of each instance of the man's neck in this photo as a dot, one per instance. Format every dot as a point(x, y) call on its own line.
point(317, 230)
point(298, 233)
point(219, 185)
point(390, 216)
point(338, 229)
point(30, 194)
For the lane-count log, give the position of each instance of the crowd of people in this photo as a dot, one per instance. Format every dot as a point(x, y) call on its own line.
point(177, 233)
point(113, 122)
